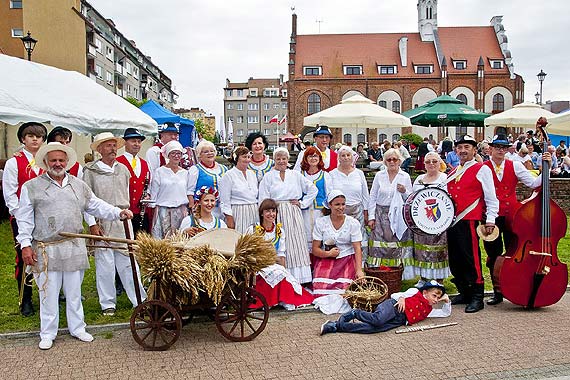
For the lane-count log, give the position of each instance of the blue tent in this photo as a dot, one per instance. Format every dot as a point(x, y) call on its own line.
point(161, 115)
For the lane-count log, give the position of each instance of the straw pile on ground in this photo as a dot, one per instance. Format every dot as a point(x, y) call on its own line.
point(185, 273)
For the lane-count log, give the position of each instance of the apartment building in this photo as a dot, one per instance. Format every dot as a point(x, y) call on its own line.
point(197, 113)
point(73, 35)
point(250, 106)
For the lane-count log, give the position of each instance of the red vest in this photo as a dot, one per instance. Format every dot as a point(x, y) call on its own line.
point(136, 184)
point(506, 189)
point(25, 172)
point(417, 308)
point(465, 191)
point(162, 160)
point(333, 162)
point(74, 170)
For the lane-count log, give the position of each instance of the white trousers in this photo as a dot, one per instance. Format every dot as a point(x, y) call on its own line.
point(106, 260)
point(49, 286)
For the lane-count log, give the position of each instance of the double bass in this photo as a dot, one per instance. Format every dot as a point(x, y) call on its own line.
point(530, 273)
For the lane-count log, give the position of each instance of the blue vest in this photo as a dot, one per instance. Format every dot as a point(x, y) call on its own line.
point(322, 194)
point(259, 173)
point(207, 178)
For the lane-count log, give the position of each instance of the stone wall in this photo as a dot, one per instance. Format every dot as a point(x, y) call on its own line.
point(559, 191)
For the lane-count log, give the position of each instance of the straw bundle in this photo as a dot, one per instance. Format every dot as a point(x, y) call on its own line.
point(253, 253)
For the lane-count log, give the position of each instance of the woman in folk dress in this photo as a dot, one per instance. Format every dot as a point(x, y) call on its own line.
point(201, 218)
point(275, 282)
point(207, 172)
point(292, 192)
point(260, 162)
point(238, 192)
point(430, 251)
point(312, 167)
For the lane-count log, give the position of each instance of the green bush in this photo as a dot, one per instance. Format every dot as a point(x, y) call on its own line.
point(412, 138)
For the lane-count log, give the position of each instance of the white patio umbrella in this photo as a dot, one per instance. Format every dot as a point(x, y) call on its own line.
point(559, 124)
point(522, 115)
point(357, 111)
point(31, 91)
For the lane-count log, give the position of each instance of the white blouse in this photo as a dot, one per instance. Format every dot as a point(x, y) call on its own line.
point(326, 175)
point(294, 186)
point(350, 232)
point(353, 185)
point(441, 178)
point(187, 223)
point(169, 189)
point(382, 190)
point(235, 189)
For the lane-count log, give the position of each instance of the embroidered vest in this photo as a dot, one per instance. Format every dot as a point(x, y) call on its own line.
point(333, 161)
point(322, 194)
point(465, 191)
point(259, 171)
point(276, 240)
point(25, 171)
point(505, 189)
point(207, 178)
point(417, 308)
point(136, 184)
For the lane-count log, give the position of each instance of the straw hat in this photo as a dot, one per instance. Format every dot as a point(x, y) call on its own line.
point(482, 233)
point(53, 146)
point(106, 136)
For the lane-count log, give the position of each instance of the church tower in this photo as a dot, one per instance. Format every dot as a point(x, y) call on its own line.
point(427, 19)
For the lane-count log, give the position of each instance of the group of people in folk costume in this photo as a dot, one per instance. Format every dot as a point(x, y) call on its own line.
point(325, 250)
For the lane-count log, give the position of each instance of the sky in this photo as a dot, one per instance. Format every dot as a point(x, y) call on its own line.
point(199, 44)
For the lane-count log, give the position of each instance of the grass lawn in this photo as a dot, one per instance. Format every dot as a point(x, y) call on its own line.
point(12, 321)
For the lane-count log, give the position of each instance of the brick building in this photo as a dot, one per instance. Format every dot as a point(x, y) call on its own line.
point(401, 71)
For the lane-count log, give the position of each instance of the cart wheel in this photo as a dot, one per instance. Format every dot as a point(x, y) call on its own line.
point(155, 325)
point(237, 320)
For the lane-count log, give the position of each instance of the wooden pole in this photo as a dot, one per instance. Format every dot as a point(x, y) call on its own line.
point(97, 237)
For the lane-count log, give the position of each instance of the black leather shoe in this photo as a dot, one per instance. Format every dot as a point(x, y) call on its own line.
point(461, 299)
point(27, 308)
point(475, 305)
point(496, 299)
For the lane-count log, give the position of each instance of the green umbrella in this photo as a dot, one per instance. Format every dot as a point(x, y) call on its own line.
point(444, 111)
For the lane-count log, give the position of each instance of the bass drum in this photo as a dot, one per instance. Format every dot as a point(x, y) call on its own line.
point(429, 211)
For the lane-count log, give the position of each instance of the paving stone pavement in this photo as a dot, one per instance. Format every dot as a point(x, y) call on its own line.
point(501, 342)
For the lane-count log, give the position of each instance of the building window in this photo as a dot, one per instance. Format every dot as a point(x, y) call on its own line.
point(230, 106)
point(98, 45)
point(462, 98)
point(18, 33)
point(283, 93)
point(395, 137)
point(353, 70)
point(240, 132)
point(361, 138)
point(228, 93)
point(16, 4)
point(240, 106)
point(396, 106)
point(385, 70)
point(382, 103)
point(253, 92)
point(284, 131)
point(498, 103)
point(313, 70)
point(266, 106)
point(284, 106)
point(230, 119)
point(267, 132)
point(252, 119)
point(109, 78)
point(109, 53)
point(266, 119)
point(240, 119)
point(276, 106)
point(313, 104)
point(382, 137)
point(252, 106)
point(239, 92)
point(135, 72)
point(424, 69)
point(99, 71)
point(460, 65)
point(497, 64)
point(460, 131)
point(347, 139)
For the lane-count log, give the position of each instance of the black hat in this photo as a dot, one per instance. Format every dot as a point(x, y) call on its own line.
point(432, 284)
point(62, 131)
point(29, 124)
point(322, 130)
point(133, 133)
point(530, 132)
point(466, 139)
point(500, 140)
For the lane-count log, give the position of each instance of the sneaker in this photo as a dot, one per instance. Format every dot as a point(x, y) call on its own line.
point(84, 337)
point(109, 312)
point(45, 344)
point(328, 327)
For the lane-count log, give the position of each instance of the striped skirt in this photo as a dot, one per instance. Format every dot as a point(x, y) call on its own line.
point(431, 260)
point(245, 216)
point(166, 220)
point(357, 212)
point(384, 248)
point(333, 276)
point(297, 259)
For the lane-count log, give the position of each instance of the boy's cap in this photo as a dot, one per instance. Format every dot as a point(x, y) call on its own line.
point(432, 284)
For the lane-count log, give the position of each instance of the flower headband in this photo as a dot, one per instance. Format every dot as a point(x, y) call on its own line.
point(205, 190)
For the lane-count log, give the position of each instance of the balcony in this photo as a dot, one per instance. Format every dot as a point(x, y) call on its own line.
point(92, 51)
point(120, 73)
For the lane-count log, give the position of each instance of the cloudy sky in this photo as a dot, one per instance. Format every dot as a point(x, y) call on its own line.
point(199, 44)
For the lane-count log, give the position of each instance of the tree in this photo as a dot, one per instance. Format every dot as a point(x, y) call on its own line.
point(135, 102)
point(201, 129)
point(412, 138)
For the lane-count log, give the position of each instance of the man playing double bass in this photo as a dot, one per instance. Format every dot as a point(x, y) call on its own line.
point(471, 188)
point(506, 175)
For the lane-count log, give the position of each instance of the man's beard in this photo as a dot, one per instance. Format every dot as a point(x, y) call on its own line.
point(56, 172)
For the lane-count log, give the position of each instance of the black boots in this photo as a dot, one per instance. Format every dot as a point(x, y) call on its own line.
point(461, 299)
point(26, 307)
point(476, 303)
point(497, 298)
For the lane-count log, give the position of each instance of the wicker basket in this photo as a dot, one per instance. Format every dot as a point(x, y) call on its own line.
point(392, 276)
point(366, 293)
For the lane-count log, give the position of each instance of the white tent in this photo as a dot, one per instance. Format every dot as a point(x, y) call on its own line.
point(522, 115)
point(34, 92)
point(559, 124)
point(357, 111)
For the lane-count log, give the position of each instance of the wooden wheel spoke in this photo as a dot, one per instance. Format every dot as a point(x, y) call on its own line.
point(154, 336)
point(250, 325)
point(253, 316)
point(164, 332)
point(242, 327)
point(231, 319)
point(155, 325)
point(233, 327)
point(142, 327)
point(145, 337)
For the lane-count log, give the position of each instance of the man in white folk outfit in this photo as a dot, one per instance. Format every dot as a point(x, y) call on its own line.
point(52, 203)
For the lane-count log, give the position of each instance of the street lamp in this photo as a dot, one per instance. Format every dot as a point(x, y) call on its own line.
point(541, 77)
point(536, 96)
point(29, 44)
